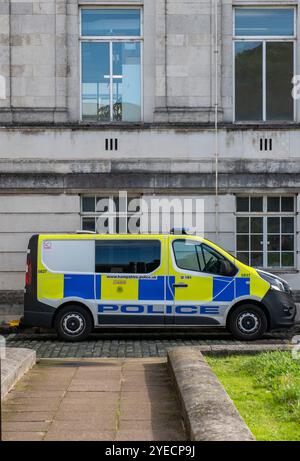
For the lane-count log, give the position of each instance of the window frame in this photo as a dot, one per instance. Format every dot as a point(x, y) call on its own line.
point(264, 40)
point(110, 212)
point(130, 274)
point(110, 40)
point(265, 214)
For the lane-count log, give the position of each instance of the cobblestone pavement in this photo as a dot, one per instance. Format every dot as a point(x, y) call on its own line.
point(129, 343)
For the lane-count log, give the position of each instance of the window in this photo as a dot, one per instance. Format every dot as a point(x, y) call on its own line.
point(69, 255)
point(194, 256)
point(127, 256)
point(112, 214)
point(264, 63)
point(265, 231)
point(111, 41)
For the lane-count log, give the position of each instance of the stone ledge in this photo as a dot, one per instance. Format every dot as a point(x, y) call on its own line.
point(208, 411)
point(16, 363)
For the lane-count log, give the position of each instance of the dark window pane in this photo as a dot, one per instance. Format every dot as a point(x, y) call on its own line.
point(273, 259)
point(274, 242)
point(110, 22)
point(248, 81)
point(242, 204)
point(95, 81)
point(273, 225)
point(127, 256)
point(88, 224)
point(242, 242)
point(287, 225)
point(273, 204)
point(287, 259)
point(88, 204)
point(256, 242)
point(280, 71)
point(256, 225)
point(287, 204)
point(287, 243)
point(242, 225)
point(256, 204)
point(243, 257)
point(264, 21)
point(257, 259)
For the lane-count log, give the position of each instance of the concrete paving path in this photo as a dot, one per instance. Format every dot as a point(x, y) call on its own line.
point(94, 399)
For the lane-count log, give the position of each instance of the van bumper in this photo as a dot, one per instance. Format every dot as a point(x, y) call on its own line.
point(36, 313)
point(282, 309)
point(37, 319)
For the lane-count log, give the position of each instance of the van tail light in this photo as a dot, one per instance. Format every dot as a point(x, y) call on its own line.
point(28, 276)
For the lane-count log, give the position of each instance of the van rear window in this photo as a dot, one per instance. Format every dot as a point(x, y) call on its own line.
point(127, 256)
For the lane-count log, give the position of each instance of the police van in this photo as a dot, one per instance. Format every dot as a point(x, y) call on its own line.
point(78, 282)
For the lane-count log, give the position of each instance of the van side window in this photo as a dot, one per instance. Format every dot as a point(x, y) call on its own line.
point(127, 256)
point(194, 256)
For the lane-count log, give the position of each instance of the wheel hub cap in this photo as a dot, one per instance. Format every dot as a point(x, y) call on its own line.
point(73, 324)
point(248, 322)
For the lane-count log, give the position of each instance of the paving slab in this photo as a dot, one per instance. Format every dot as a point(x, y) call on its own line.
point(16, 362)
point(90, 401)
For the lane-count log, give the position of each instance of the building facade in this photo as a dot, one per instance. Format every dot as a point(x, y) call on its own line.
point(155, 98)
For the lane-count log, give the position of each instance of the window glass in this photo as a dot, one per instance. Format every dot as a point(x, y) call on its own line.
point(248, 81)
point(242, 204)
point(110, 22)
point(187, 255)
point(127, 81)
point(264, 22)
point(95, 80)
point(88, 204)
point(194, 256)
point(127, 256)
point(280, 71)
point(270, 241)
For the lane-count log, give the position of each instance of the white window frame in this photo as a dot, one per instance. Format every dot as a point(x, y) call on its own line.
point(265, 214)
point(110, 40)
point(110, 213)
point(264, 40)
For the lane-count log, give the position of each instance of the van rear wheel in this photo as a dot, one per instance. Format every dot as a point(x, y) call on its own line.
point(73, 323)
point(248, 322)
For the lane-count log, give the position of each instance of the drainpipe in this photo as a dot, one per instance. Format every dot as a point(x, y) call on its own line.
point(216, 53)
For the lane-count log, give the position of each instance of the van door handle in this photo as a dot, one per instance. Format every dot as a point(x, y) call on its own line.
point(180, 285)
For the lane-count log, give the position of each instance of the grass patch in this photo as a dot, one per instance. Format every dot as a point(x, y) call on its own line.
point(266, 390)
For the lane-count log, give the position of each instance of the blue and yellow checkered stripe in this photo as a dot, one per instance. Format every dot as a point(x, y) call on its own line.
point(89, 286)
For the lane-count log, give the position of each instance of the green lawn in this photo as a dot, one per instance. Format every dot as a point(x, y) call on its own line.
point(266, 390)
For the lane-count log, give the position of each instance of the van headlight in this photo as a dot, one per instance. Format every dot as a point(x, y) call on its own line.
point(275, 282)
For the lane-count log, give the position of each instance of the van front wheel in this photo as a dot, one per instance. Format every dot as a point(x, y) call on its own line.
point(248, 322)
point(73, 323)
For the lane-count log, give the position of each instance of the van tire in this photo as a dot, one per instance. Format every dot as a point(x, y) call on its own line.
point(247, 322)
point(73, 323)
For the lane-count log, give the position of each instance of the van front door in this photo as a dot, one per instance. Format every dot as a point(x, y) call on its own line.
point(130, 281)
point(201, 295)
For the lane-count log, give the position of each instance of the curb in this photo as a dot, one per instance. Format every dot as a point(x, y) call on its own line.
point(208, 411)
point(16, 363)
point(224, 349)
